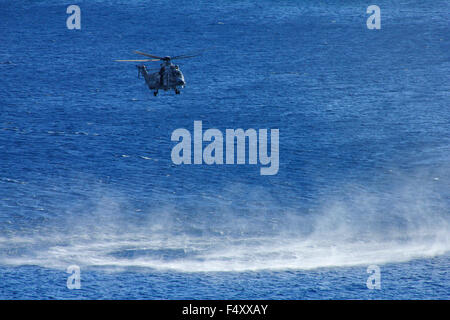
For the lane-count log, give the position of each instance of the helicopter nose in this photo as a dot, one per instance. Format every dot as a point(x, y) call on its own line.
point(180, 82)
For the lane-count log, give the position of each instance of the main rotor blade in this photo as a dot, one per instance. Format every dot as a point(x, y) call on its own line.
point(192, 54)
point(185, 57)
point(142, 60)
point(148, 55)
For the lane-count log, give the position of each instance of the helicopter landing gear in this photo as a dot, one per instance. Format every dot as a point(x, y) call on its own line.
point(155, 93)
point(177, 91)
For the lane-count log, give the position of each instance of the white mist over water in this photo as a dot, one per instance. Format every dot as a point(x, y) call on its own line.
point(406, 222)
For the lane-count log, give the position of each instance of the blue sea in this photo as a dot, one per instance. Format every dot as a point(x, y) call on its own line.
point(87, 178)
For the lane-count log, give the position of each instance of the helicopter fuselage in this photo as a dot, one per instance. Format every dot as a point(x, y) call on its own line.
point(169, 77)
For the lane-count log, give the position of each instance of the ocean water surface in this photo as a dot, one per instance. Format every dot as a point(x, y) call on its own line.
point(87, 178)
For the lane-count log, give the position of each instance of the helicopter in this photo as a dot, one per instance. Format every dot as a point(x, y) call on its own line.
point(169, 76)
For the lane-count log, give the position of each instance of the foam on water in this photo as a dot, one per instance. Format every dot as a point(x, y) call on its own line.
point(401, 224)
